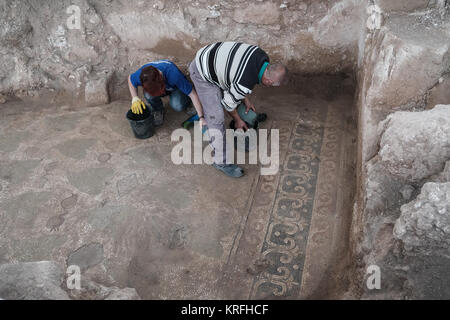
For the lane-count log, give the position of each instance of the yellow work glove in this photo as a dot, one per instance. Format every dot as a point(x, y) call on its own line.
point(137, 106)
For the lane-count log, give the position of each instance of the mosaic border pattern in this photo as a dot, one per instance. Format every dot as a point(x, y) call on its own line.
point(288, 218)
point(286, 237)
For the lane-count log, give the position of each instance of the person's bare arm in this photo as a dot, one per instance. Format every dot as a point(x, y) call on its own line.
point(133, 90)
point(197, 105)
point(249, 105)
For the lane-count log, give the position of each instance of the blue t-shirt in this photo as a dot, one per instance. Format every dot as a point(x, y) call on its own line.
point(173, 77)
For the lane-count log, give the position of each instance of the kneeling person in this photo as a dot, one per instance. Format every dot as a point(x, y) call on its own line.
point(159, 79)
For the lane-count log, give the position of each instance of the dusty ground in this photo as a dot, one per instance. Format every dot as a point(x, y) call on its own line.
point(77, 187)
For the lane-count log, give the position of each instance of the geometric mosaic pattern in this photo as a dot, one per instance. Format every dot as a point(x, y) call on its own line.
point(277, 229)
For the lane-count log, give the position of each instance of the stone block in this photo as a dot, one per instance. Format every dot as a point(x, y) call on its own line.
point(96, 92)
point(415, 145)
point(32, 281)
point(424, 224)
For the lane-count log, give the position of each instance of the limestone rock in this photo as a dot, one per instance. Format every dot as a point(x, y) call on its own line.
point(415, 145)
point(32, 281)
point(424, 224)
point(96, 92)
point(408, 58)
point(400, 67)
point(339, 28)
point(399, 64)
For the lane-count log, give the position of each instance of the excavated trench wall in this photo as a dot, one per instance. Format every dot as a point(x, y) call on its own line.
point(401, 214)
point(400, 60)
point(41, 49)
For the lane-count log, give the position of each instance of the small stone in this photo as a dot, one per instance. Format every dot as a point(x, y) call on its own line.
point(69, 202)
point(2, 99)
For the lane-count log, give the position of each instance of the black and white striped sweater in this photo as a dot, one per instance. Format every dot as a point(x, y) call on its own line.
point(234, 67)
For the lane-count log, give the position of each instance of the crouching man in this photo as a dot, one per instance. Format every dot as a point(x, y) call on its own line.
point(159, 79)
point(223, 74)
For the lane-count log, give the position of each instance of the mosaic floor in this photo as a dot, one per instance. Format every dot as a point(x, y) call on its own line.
point(291, 215)
point(77, 188)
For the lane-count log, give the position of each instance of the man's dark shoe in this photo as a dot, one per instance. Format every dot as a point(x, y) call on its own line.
point(230, 170)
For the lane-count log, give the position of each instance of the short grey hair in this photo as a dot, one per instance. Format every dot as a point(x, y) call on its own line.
point(278, 73)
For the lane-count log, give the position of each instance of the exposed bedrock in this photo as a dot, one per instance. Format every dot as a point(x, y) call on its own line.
point(43, 48)
point(405, 221)
point(403, 143)
point(424, 224)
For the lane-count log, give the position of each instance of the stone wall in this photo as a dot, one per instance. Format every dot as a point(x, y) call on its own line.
point(38, 50)
point(403, 71)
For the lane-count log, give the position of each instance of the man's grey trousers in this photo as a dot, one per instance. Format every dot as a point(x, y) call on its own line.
point(210, 96)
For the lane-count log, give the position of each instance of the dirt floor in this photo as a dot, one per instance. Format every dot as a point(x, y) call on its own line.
point(78, 188)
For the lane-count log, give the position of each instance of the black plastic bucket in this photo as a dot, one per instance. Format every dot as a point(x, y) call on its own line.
point(141, 124)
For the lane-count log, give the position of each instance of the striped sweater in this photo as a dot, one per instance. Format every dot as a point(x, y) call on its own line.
point(234, 67)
